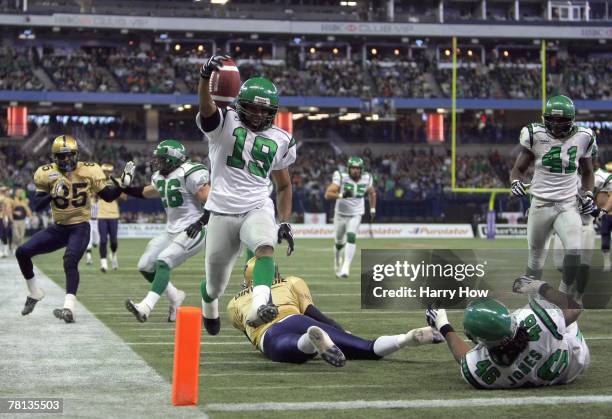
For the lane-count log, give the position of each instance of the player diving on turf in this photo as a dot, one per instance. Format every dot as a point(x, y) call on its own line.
point(67, 184)
point(301, 331)
point(537, 345)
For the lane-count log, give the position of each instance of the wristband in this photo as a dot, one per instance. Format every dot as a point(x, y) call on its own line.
point(447, 328)
point(372, 210)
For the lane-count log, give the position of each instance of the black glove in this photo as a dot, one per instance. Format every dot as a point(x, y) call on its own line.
point(599, 214)
point(587, 203)
point(214, 63)
point(285, 233)
point(194, 229)
point(372, 215)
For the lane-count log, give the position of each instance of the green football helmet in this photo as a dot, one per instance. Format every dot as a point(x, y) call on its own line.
point(487, 321)
point(168, 155)
point(257, 103)
point(559, 116)
point(355, 162)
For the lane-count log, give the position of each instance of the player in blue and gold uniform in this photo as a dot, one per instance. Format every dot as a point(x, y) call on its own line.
point(301, 331)
point(67, 184)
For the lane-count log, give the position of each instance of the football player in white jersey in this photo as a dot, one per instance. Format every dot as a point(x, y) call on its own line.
point(349, 189)
point(537, 345)
point(603, 195)
point(603, 186)
point(94, 235)
point(557, 148)
point(245, 150)
point(182, 186)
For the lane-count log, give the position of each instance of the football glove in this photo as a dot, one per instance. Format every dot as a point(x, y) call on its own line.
point(214, 63)
point(599, 214)
point(587, 203)
point(518, 188)
point(527, 285)
point(195, 228)
point(286, 233)
point(346, 193)
point(372, 215)
point(59, 189)
point(127, 175)
point(436, 317)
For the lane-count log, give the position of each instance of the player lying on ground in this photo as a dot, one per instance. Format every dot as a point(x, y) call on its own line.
point(538, 345)
point(246, 149)
point(557, 148)
point(183, 187)
point(301, 331)
point(349, 189)
point(68, 185)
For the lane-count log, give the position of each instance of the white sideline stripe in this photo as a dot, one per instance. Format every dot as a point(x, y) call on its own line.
point(85, 363)
point(408, 404)
point(268, 374)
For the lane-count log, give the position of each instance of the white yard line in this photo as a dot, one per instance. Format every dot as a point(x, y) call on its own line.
point(409, 404)
point(85, 363)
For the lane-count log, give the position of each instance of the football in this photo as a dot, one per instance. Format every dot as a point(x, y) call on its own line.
point(225, 83)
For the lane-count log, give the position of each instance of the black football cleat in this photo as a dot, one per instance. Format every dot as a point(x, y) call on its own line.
point(64, 314)
point(212, 326)
point(265, 314)
point(29, 306)
point(133, 308)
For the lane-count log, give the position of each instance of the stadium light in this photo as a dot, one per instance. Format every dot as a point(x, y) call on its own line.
point(396, 51)
point(177, 47)
point(312, 50)
point(447, 52)
point(187, 106)
point(221, 2)
point(335, 51)
point(470, 52)
point(374, 51)
point(506, 53)
point(297, 116)
point(349, 116)
point(200, 48)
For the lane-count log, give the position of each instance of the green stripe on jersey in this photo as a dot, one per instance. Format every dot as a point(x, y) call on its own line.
point(195, 169)
point(465, 370)
point(530, 129)
point(545, 318)
point(292, 142)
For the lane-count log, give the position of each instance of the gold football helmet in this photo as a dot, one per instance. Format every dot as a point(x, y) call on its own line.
point(65, 152)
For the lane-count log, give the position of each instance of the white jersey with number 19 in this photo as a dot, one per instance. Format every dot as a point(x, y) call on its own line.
point(241, 161)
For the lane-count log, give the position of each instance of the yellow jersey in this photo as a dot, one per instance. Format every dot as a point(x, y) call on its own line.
point(20, 209)
point(290, 294)
point(75, 207)
point(108, 210)
point(6, 206)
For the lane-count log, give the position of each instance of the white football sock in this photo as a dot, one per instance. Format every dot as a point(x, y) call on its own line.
point(171, 292)
point(211, 310)
point(32, 284)
point(349, 253)
point(261, 295)
point(70, 302)
point(386, 345)
point(151, 299)
point(305, 345)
